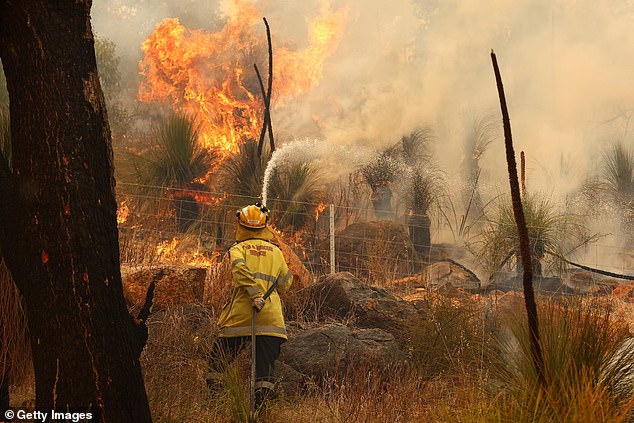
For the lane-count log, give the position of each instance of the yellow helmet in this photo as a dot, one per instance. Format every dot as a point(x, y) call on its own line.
point(254, 216)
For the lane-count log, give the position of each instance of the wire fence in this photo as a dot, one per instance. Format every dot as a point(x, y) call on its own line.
point(166, 225)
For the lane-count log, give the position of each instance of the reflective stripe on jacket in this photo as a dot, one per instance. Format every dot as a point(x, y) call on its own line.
point(255, 265)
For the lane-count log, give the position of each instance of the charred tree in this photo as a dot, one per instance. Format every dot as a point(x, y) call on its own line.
point(266, 96)
point(522, 230)
point(58, 229)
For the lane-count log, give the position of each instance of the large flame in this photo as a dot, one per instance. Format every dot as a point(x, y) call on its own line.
point(211, 75)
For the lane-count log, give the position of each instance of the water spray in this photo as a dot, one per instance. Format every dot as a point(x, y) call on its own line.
point(311, 150)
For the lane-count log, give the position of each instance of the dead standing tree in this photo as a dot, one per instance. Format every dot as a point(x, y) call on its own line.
point(522, 230)
point(266, 96)
point(58, 230)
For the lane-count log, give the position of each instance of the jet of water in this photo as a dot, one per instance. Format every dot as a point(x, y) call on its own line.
point(337, 159)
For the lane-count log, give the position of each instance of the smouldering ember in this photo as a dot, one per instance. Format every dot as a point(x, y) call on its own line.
point(211, 75)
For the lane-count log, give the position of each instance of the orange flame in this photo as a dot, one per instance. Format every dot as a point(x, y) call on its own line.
point(211, 75)
point(320, 208)
point(201, 197)
point(122, 212)
point(171, 252)
point(166, 249)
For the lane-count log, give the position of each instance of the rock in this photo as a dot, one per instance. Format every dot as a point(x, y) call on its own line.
point(581, 282)
point(290, 380)
point(178, 285)
point(450, 273)
point(342, 295)
point(405, 287)
point(327, 351)
point(377, 249)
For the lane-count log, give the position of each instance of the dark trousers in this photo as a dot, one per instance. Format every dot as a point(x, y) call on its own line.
point(267, 350)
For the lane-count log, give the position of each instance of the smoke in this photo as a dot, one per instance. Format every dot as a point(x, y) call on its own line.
point(404, 64)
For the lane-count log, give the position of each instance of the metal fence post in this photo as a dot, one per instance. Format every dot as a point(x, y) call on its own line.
point(332, 238)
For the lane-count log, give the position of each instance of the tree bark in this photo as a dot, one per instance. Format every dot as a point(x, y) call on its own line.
point(58, 227)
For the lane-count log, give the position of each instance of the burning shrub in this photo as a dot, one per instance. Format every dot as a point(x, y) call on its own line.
point(178, 162)
point(243, 173)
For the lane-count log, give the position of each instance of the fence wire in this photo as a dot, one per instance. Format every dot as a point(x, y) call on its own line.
point(167, 225)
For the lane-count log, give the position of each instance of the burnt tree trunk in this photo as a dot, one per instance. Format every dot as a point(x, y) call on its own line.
point(58, 228)
point(522, 232)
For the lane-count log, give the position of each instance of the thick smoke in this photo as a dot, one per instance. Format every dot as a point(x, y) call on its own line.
point(404, 64)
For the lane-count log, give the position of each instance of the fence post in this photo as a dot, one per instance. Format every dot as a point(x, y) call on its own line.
point(332, 238)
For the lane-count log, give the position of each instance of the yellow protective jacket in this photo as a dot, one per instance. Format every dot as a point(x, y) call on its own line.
point(255, 265)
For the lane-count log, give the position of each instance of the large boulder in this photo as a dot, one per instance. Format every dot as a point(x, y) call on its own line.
point(375, 249)
point(328, 351)
point(450, 273)
point(176, 286)
point(342, 296)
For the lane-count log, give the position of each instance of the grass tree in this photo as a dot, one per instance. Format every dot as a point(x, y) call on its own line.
point(553, 235)
point(478, 138)
point(422, 188)
point(176, 161)
point(295, 191)
point(618, 181)
point(243, 173)
point(610, 191)
point(380, 174)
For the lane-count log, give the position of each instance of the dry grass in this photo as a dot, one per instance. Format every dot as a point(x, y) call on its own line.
point(15, 350)
point(174, 364)
point(454, 337)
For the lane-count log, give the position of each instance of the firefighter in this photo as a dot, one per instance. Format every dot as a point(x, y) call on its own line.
point(256, 265)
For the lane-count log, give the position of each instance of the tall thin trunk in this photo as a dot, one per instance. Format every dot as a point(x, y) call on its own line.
point(518, 212)
point(58, 229)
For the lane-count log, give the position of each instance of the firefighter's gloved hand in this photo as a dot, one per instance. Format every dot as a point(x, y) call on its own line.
point(258, 303)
